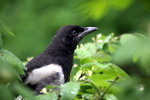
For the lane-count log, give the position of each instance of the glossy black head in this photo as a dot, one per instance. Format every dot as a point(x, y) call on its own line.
point(72, 34)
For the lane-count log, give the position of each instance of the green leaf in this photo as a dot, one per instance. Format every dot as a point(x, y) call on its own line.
point(102, 7)
point(49, 96)
point(85, 87)
point(91, 64)
point(1, 41)
point(20, 89)
point(5, 93)
point(135, 48)
point(12, 60)
point(101, 56)
point(7, 73)
point(69, 90)
point(110, 97)
point(121, 5)
point(6, 30)
point(82, 53)
point(86, 50)
point(90, 47)
point(90, 6)
point(103, 75)
point(74, 72)
point(126, 38)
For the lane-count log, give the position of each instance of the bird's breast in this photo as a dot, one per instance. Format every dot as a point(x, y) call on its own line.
point(45, 72)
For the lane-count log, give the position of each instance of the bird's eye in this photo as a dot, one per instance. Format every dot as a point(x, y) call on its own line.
point(74, 32)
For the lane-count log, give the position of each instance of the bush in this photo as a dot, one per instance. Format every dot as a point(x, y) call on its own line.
point(96, 75)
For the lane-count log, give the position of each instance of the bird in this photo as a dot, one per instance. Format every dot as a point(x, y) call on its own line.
point(54, 64)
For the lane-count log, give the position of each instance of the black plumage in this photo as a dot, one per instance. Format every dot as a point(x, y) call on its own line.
point(60, 52)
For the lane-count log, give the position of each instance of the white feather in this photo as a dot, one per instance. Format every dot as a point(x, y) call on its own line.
point(38, 74)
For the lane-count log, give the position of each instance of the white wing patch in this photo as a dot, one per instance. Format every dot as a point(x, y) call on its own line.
point(38, 74)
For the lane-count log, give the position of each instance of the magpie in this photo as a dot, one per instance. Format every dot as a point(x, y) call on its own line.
point(53, 66)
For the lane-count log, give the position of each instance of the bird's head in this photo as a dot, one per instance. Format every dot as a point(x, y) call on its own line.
point(72, 34)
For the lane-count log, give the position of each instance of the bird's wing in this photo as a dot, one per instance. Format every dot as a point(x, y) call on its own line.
point(31, 65)
point(38, 74)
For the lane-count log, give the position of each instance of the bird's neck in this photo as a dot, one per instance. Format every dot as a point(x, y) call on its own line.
point(60, 49)
point(64, 54)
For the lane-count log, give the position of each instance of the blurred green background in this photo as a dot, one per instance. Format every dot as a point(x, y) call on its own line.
point(34, 22)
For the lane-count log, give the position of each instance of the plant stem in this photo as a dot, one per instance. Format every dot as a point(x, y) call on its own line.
point(95, 87)
point(108, 87)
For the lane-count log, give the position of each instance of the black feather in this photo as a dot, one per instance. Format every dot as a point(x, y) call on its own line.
point(60, 51)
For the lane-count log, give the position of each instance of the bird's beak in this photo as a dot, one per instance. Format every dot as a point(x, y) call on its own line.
point(86, 31)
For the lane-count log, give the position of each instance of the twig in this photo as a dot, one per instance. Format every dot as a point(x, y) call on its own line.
point(108, 87)
point(95, 87)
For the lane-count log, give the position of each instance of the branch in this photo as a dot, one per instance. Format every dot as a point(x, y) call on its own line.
point(109, 87)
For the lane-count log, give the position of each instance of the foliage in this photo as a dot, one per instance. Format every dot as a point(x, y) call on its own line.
point(10, 69)
point(135, 50)
point(95, 71)
point(136, 47)
point(102, 7)
point(101, 66)
point(93, 77)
